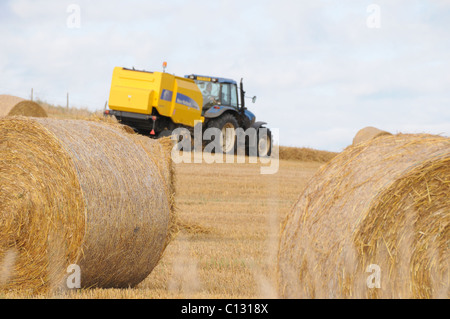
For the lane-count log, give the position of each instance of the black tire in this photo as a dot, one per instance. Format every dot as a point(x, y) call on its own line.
point(264, 142)
point(222, 123)
point(165, 133)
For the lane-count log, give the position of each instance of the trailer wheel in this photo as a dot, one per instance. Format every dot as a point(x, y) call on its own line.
point(227, 124)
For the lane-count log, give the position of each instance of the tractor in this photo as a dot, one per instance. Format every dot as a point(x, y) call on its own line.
point(157, 103)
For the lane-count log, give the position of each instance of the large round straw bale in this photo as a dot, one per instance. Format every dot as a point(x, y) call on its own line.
point(13, 105)
point(84, 193)
point(373, 223)
point(368, 133)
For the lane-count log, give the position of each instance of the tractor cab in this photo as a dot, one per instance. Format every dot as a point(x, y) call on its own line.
point(216, 91)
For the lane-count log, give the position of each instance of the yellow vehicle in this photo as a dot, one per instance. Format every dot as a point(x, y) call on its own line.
point(137, 95)
point(156, 103)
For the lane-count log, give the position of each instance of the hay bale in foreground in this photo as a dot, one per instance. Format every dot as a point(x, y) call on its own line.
point(383, 202)
point(13, 105)
point(85, 193)
point(368, 133)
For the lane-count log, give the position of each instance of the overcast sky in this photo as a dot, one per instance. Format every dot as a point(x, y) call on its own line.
point(321, 70)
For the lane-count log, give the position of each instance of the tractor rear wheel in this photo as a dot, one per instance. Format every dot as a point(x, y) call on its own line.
point(227, 124)
point(264, 143)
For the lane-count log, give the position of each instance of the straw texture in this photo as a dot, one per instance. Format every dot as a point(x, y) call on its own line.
point(85, 193)
point(383, 202)
point(13, 105)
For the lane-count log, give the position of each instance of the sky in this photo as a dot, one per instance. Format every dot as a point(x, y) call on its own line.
point(321, 70)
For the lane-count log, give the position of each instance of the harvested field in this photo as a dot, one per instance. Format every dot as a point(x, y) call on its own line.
point(13, 105)
point(85, 193)
point(305, 154)
point(228, 226)
point(62, 112)
point(382, 204)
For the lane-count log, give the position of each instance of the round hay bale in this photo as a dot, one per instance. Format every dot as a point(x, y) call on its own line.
point(159, 150)
point(84, 193)
point(368, 133)
point(373, 223)
point(13, 105)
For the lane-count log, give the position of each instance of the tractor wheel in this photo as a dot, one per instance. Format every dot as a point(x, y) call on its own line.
point(264, 143)
point(227, 124)
point(165, 133)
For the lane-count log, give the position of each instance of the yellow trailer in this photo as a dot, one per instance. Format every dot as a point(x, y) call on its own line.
point(140, 92)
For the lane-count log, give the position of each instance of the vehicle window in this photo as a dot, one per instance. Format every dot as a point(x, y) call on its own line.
point(210, 92)
point(226, 94)
point(234, 99)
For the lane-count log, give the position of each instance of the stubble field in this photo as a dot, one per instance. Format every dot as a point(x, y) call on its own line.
point(234, 213)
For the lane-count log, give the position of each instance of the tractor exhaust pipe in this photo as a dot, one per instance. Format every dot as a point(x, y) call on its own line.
point(242, 96)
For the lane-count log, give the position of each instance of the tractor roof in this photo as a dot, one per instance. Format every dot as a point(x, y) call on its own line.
point(208, 78)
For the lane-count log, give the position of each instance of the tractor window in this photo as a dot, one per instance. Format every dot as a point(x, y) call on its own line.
point(210, 92)
point(225, 94)
point(234, 100)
